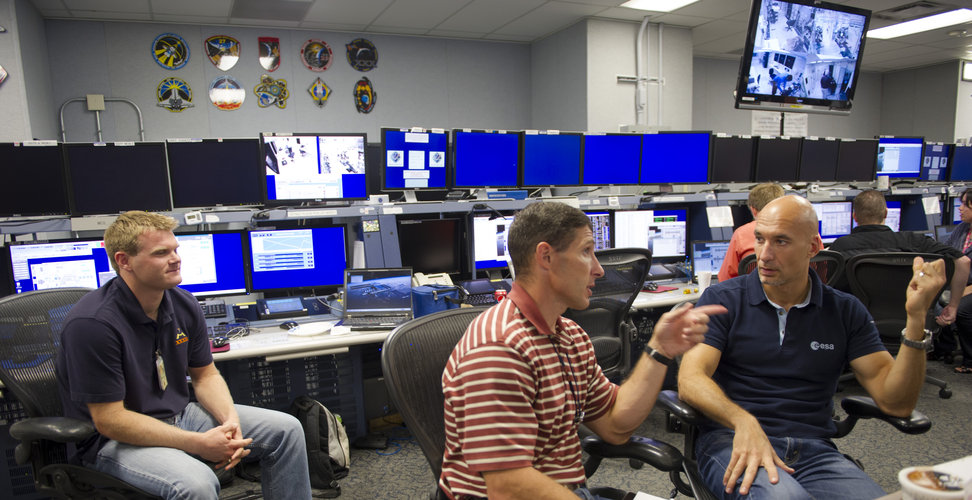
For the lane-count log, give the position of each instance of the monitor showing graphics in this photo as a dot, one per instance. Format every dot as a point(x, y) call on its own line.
point(934, 164)
point(708, 256)
point(431, 246)
point(414, 159)
point(215, 172)
point(732, 159)
point(26, 166)
point(314, 167)
point(675, 158)
point(489, 241)
point(892, 220)
point(601, 226)
point(834, 219)
point(611, 159)
point(661, 231)
point(956, 215)
point(856, 160)
point(818, 160)
point(59, 264)
point(281, 259)
point(899, 156)
point(212, 263)
point(485, 159)
point(95, 169)
point(961, 169)
point(777, 159)
point(550, 159)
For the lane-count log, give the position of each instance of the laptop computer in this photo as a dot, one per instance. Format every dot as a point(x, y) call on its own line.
point(708, 256)
point(377, 299)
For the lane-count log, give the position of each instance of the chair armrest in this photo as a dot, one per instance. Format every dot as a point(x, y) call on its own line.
point(669, 401)
point(57, 429)
point(657, 454)
point(858, 407)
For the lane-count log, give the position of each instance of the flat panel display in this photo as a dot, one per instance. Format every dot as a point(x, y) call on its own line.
point(708, 256)
point(675, 158)
point(431, 246)
point(733, 159)
point(899, 156)
point(110, 178)
point(601, 227)
point(489, 241)
point(611, 159)
point(551, 159)
point(818, 160)
point(215, 172)
point(314, 167)
point(934, 164)
point(961, 169)
point(661, 231)
point(834, 219)
point(212, 263)
point(777, 159)
point(414, 159)
point(59, 264)
point(856, 160)
point(34, 181)
point(281, 259)
point(486, 159)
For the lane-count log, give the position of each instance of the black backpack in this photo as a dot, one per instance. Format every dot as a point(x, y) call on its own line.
point(328, 453)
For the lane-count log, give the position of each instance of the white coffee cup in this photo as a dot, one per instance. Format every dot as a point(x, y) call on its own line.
point(925, 483)
point(705, 279)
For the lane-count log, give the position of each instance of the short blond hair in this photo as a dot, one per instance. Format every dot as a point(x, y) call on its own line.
point(122, 235)
point(764, 193)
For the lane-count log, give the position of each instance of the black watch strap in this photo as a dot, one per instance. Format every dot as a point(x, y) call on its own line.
point(659, 357)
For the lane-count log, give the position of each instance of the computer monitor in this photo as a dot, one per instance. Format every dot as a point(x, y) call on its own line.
point(611, 159)
point(601, 226)
point(431, 246)
point(856, 160)
point(708, 256)
point(675, 158)
point(215, 172)
point(942, 232)
point(28, 166)
point(110, 178)
point(302, 168)
point(777, 159)
point(485, 159)
point(663, 231)
point(59, 264)
point(489, 241)
point(956, 215)
point(212, 263)
point(414, 158)
point(281, 259)
point(818, 160)
point(732, 159)
point(934, 165)
point(899, 156)
point(834, 219)
point(961, 169)
point(550, 159)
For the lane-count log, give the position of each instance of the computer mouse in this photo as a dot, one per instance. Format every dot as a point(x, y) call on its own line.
point(651, 286)
point(287, 325)
point(218, 342)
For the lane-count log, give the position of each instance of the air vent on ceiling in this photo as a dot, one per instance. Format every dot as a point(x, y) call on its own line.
point(278, 10)
point(913, 10)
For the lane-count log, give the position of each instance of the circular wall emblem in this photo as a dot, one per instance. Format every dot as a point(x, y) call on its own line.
point(364, 95)
point(316, 55)
point(271, 92)
point(174, 94)
point(362, 54)
point(170, 51)
point(226, 93)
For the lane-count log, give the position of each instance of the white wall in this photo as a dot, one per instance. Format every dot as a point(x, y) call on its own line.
point(963, 110)
point(15, 123)
point(558, 97)
point(419, 81)
point(33, 46)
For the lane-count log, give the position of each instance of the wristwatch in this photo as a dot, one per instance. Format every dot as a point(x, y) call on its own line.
point(924, 344)
point(659, 357)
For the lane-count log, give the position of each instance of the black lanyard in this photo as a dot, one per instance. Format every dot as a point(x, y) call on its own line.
point(578, 411)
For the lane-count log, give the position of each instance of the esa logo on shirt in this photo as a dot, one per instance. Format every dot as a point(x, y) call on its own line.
point(817, 346)
point(181, 338)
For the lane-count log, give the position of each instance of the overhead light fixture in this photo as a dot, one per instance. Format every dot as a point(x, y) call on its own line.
point(967, 71)
point(657, 5)
point(929, 23)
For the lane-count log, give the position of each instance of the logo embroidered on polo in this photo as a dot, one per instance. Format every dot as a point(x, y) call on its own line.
point(817, 346)
point(181, 337)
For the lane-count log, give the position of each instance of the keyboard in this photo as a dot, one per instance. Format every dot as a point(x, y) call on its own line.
point(374, 322)
point(481, 299)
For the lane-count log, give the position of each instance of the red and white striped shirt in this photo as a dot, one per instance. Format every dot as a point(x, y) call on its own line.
point(512, 390)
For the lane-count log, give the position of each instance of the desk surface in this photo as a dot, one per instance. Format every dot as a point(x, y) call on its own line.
point(651, 300)
point(270, 341)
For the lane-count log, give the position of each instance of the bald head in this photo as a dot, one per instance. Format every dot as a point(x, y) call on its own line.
point(793, 211)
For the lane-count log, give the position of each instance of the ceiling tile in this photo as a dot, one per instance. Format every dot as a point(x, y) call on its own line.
point(952, 42)
point(419, 13)
point(346, 11)
point(680, 20)
point(324, 26)
point(244, 21)
point(548, 18)
point(903, 53)
point(485, 16)
point(715, 9)
point(717, 29)
point(100, 14)
point(732, 44)
point(510, 38)
point(879, 46)
point(55, 13)
point(456, 34)
point(598, 3)
point(177, 18)
point(624, 14)
point(115, 6)
point(45, 5)
point(193, 8)
point(401, 30)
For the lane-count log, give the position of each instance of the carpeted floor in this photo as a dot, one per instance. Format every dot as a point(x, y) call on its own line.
point(401, 471)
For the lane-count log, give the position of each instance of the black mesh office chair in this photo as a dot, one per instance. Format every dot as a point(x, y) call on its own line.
point(879, 281)
point(412, 360)
point(606, 318)
point(829, 265)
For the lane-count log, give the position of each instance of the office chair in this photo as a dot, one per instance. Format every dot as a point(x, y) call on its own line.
point(879, 281)
point(829, 265)
point(606, 318)
point(413, 358)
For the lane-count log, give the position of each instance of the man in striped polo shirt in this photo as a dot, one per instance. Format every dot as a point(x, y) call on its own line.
point(523, 378)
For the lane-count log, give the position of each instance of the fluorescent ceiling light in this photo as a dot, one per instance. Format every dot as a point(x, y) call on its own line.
point(657, 5)
point(922, 24)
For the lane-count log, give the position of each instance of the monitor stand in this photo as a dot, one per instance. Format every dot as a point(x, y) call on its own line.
point(410, 196)
point(494, 274)
point(544, 193)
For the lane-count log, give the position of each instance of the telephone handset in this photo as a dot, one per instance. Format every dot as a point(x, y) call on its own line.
point(419, 279)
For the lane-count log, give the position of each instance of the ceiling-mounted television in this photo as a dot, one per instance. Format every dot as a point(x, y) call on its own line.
point(801, 55)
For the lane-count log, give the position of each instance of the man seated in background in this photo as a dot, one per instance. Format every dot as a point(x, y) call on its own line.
point(742, 241)
point(767, 371)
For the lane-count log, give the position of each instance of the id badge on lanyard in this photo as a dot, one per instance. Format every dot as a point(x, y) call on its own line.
point(160, 368)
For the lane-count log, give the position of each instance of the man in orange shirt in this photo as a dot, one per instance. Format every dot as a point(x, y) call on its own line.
point(743, 240)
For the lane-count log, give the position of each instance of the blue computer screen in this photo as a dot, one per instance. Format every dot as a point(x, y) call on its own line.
point(297, 258)
point(899, 156)
point(415, 160)
point(611, 159)
point(551, 159)
point(314, 167)
point(212, 263)
point(934, 165)
point(834, 219)
point(661, 231)
point(675, 158)
point(58, 264)
point(489, 241)
point(961, 164)
point(485, 159)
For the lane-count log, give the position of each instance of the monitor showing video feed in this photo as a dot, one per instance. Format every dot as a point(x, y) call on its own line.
point(431, 246)
point(934, 163)
point(611, 159)
point(215, 172)
point(102, 182)
point(675, 158)
point(733, 158)
point(818, 160)
point(28, 166)
point(961, 169)
point(485, 159)
point(59, 264)
point(801, 55)
point(281, 259)
point(314, 167)
point(489, 241)
point(777, 159)
point(414, 159)
point(661, 231)
point(833, 219)
point(212, 263)
point(601, 227)
point(550, 159)
point(856, 160)
point(899, 156)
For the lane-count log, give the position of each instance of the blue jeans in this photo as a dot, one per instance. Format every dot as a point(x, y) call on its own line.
point(278, 442)
point(585, 494)
point(820, 470)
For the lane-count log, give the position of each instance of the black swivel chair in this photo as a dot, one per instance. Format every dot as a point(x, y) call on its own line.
point(606, 318)
point(829, 265)
point(879, 281)
point(413, 358)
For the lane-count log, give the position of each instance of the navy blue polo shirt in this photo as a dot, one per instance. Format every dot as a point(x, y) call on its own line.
point(788, 386)
point(107, 354)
